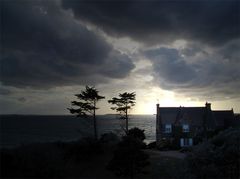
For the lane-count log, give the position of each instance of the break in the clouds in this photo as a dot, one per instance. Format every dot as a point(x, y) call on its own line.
point(42, 46)
point(153, 22)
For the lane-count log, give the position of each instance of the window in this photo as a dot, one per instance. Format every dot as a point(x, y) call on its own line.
point(185, 142)
point(185, 128)
point(168, 128)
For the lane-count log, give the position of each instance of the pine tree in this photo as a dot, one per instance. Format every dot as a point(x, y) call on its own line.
point(123, 104)
point(86, 106)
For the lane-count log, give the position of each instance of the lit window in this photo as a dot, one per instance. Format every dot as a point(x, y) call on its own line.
point(168, 128)
point(185, 128)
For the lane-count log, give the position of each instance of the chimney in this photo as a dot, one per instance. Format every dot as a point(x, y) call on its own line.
point(208, 120)
point(158, 113)
point(208, 106)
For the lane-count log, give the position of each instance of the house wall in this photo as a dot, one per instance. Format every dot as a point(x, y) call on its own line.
point(176, 131)
point(203, 122)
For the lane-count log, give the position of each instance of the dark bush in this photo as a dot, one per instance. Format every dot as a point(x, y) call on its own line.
point(218, 157)
point(83, 149)
point(168, 144)
point(109, 138)
point(152, 145)
point(137, 133)
point(129, 159)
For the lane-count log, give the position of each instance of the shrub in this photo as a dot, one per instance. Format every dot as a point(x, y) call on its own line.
point(165, 144)
point(83, 149)
point(218, 157)
point(137, 133)
point(152, 145)
point(109, 138)
point(168, 144)
point(129, 159)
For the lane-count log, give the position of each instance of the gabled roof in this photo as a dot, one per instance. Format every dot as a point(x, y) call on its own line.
point(168, 114)
point(195, 116)
point(191, 115)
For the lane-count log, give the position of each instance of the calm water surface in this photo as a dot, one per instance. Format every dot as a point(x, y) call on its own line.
point(21, 129)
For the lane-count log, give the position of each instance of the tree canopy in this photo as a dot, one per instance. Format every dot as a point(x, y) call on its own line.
point(86, 106)
point(137, 133)
point(123, 104)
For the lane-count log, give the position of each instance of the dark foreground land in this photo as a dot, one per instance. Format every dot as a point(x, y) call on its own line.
point(218, 157)
point(62, 160)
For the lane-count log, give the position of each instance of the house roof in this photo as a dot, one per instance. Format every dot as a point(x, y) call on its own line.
point(223, 117)
point(190, 115)
point(195, 116)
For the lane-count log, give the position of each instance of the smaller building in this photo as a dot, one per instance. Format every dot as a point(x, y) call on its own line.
point(186, 126)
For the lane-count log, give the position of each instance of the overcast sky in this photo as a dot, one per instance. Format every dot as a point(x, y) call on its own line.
point(175, 52)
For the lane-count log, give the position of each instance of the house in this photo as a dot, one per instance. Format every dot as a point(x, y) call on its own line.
point(185, 126)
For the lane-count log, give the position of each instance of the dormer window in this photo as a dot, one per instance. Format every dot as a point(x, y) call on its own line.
point(168, 128)
point(185, 128)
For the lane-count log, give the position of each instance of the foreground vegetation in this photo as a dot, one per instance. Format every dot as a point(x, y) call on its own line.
point(127, 157)
point(84, 158)
point(51, 159)
point(218, 157)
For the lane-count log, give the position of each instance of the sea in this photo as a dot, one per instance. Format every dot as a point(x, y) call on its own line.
point(19, 130)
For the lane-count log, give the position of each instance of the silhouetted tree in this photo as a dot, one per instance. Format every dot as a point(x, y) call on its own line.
point(137, 133)
point(123, 104)
point(87, 105)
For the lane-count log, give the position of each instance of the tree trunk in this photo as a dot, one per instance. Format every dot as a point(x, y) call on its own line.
point(126, 113)
point(95, 121)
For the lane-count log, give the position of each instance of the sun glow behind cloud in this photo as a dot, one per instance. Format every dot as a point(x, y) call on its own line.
point(147, 103)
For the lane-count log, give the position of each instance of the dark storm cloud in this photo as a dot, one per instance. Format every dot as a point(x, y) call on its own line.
point(22, 99)
point(4, 91)
point(231, 51)
point(43, 46)
point(208, 75)
point(170, 66)
point(212, 25)
point(212, 22)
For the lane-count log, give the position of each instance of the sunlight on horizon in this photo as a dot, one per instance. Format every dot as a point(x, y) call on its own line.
point(149, 108)
point(147, 105)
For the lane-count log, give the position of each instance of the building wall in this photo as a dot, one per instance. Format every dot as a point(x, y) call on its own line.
point(202, 122)
point(178, 118)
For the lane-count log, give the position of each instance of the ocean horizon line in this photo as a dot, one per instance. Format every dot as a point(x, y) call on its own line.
point(107, 114)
